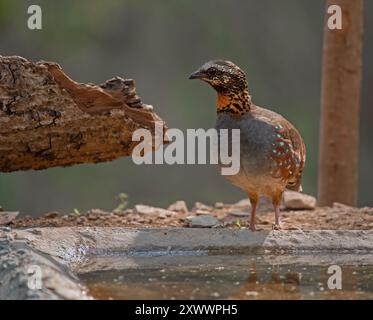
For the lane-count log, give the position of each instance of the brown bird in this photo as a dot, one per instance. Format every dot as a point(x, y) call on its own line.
point(272, 152)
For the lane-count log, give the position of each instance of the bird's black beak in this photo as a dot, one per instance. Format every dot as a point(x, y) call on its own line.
point(196, 75)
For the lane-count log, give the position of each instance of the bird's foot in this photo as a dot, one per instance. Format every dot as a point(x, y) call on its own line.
point(276, 226)
point(253, 227)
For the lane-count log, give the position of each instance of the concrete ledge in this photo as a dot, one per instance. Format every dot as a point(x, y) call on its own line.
point(72, 245)
point(61, 252)
point(19, 262)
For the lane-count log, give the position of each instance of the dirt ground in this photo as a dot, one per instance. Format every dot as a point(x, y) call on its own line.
point(236, 215)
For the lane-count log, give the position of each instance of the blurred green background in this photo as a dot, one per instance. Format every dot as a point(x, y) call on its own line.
point(158, 43)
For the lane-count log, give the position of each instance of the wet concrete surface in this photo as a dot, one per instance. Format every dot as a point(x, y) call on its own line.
point(120, 263)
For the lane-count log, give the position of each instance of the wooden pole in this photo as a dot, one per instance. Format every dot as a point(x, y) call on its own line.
point(340, 106)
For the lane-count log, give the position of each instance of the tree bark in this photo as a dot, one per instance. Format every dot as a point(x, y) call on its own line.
point(49, 120)
point(340, 106)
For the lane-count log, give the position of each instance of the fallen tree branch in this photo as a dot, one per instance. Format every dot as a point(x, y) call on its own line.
point(49, 120)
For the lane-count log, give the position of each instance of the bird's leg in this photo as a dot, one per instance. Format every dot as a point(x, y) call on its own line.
point(277, 225)
point(254, 204)
point(276, 205)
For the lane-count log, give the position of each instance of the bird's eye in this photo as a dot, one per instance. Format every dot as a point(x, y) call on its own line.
point(212, 72)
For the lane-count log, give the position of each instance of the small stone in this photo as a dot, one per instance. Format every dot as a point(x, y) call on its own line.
point(219, 205)
point(251, 293)
point(179, 206)
point(244, 203)
point(338, 205)
point(143, 209)
point(202, 212)
point(80, 220)
point(97, 212)
point(122, 213)
point(367, 210)
point(298, 201)
point(162, 215)
point(7, 216)
point(202, 221)
point(51, 215)
point(201, 206)
point(239, 213)
point(323, 214)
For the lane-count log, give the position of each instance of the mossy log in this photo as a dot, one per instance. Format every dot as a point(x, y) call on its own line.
point(49, 120)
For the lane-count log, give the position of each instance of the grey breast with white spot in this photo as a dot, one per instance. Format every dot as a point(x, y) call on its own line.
point(256, 142)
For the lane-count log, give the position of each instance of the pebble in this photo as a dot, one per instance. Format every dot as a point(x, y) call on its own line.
point(202, 221)
point(202, 212)
point(251, 293)
point(92, 217)
point(339, 205)
point(201, 206)
point(178, 206)
point(123, 213)
point(239, 213)
point(143, 209)
point(243, 203)
point(98, 212)
point(51, 215)
point(219, 205)
point(162, 216)
point(298, 201)
point(7, 216)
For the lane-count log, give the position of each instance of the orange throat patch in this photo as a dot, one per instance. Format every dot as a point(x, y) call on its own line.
point(233, 103)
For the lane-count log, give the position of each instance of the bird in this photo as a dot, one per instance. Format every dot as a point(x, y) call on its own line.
point(272, 151)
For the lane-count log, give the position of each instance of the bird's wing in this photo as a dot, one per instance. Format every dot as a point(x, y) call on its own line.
point(289, 151)
point(299, 151)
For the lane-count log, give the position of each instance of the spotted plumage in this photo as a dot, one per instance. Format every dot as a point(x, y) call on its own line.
point(272, 154)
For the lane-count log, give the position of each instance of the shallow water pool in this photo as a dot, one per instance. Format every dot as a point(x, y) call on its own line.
point(199, 276)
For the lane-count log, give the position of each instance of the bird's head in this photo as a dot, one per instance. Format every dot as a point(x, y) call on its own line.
point(222, 75)
point(230, 83)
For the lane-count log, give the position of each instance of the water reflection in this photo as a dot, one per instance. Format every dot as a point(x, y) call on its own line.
point(230, 277)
